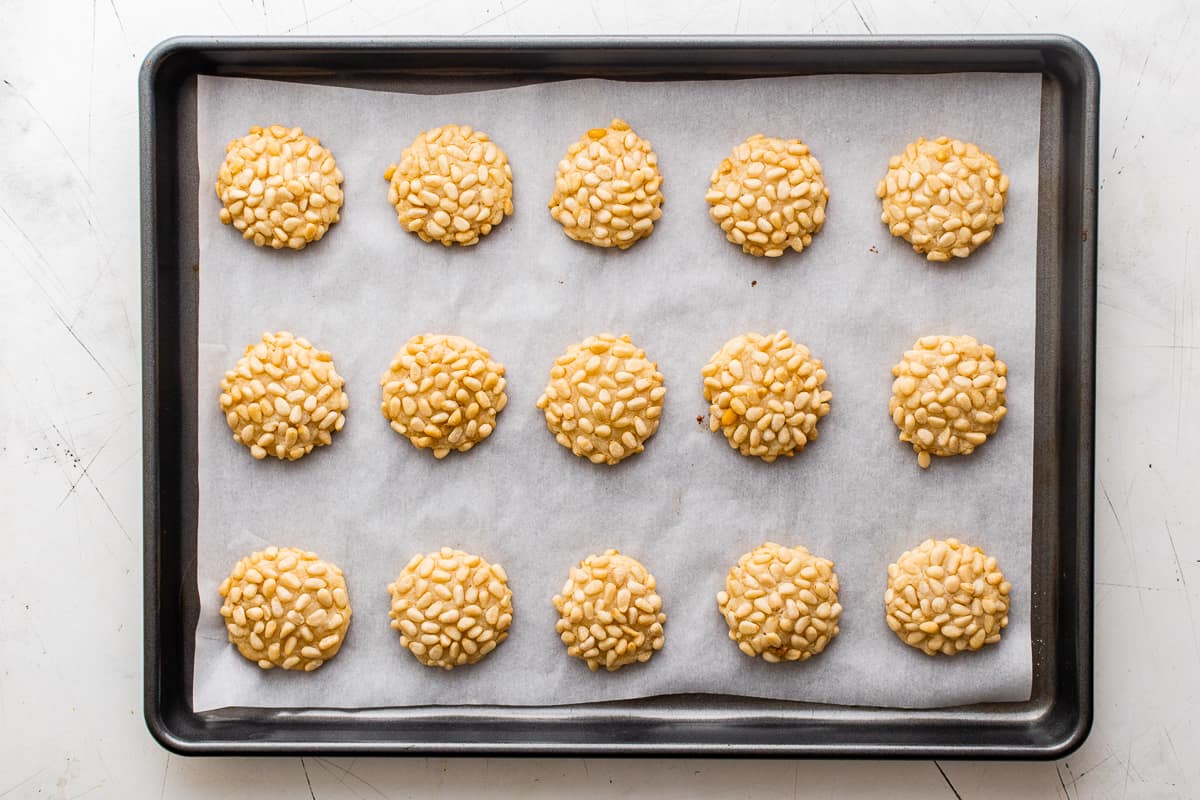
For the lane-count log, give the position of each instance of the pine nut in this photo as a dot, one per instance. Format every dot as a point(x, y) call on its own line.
point(250, 184)
point(439, 207)
point(604, 399)
point(927, 391)
point(772, 407)
point(613, 172)
point(428, 394)
point(766, 614)
point(598, 623)
point(457, 629)
point(979, 598)
point(970, 189)
point(269, 643)
point(771, 180)
point(271, 425)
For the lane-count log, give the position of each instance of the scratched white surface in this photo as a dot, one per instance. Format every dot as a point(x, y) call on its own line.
point(70, 636)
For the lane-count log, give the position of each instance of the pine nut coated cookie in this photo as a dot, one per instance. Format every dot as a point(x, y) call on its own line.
point(452, 185)
point(948, 396)
point(769, 196)
point(443, 393)
point(765, 394)
point(451, 608)
point(279, 187)
point(609, 612)
point(285, 607)
point(943, 196)
point(283, 398)
point(608, 190)
point(781, 603)
point(945, 597)
point(604, 399)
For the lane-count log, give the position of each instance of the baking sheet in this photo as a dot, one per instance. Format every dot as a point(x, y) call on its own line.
point(688, 506)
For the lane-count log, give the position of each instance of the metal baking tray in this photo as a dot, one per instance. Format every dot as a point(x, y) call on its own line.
point(1051, 724)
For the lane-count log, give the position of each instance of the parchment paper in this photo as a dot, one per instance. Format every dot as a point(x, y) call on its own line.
point(689, 506)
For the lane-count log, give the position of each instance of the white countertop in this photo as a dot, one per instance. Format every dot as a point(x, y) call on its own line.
point(70, 422)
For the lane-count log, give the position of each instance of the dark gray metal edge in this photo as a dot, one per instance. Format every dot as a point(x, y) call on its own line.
point(150, 482)
point(164, 49)
point(153, 706)
point(1069, 715)
point(1077, 726)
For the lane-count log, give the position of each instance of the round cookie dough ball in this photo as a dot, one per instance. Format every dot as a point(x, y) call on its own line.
point(443, 393)
point(944, 197)
point(781, 603)
point(604, 399)
point(279, 187)
point(285, 607)
point(948, 396)
point(946, 597)
point(607, 191)
point(765, 394)
point(768, 196)
point(610, 614)
point(284, 397)
point(451, 608)
point(452, 185)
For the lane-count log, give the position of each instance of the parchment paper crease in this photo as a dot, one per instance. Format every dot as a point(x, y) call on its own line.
point(689, 505)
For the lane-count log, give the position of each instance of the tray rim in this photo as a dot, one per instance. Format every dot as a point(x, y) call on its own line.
point(1069, 731)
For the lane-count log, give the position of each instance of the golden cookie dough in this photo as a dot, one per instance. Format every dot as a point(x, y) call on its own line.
point(781, 603)
point(765, 394)
point(607, 191)
point(452, 185)
point(443, 393)
point(943, 196)
point(946, 597)
point(451, 608)
point(948, 396)
point(285, 607)
point(279, 187)
point(283, 398)
point(604, 399)
point(610, 614)
point(769, 196)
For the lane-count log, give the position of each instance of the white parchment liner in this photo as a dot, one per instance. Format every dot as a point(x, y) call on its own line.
point(689, 505)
